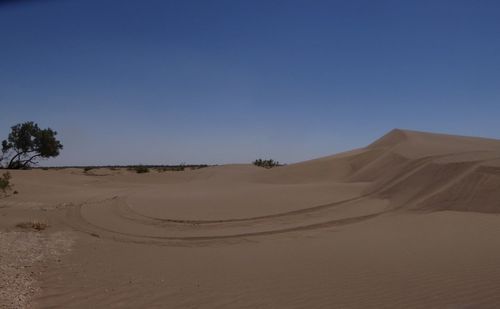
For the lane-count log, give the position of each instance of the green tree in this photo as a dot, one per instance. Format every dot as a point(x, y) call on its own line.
point(27, 142)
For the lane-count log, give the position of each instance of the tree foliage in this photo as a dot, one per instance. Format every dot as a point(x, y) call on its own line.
point(27, 142)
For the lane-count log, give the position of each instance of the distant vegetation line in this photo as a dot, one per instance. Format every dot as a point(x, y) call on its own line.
point(153, 166)
point(27, 143)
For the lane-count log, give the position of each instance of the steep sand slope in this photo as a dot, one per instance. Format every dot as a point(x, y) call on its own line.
point(368, 228)
point(414, 170)
point(418, 170)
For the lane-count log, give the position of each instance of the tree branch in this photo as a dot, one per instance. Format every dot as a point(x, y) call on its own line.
point(30, 160)
point(18, 157)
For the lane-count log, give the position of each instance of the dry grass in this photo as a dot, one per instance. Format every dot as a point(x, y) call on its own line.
point(33, 224)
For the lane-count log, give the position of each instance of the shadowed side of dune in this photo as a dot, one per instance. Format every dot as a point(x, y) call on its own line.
point(420, 171)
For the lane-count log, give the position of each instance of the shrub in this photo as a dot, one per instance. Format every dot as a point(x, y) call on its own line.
point(266, 163)
point(33, 224)
point(179, 168)
point(5, 182)
point(140, 169)
point(86, 169)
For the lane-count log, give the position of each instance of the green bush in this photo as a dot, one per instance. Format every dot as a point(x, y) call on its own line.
point(266, 163)
point(140, 169)
point(5, 182)
point(179, 168)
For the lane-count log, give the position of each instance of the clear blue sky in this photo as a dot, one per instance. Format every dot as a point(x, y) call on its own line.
point(165, 82)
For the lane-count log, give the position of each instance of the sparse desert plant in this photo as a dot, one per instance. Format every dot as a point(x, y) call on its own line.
point(5, 182)
point(179, 168)
point(162, 169)
point(37, 225)
point(140, 169)
point(270, 163)
point(171, 168)
point(86, 169)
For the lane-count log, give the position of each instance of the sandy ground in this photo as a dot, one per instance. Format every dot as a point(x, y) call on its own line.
point(410, 221)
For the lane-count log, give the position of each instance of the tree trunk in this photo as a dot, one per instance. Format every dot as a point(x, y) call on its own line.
point(17, 156)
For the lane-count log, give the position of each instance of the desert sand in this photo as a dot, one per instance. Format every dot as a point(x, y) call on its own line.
point(410, 221)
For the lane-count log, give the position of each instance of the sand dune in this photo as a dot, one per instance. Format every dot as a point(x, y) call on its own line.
point(435, 172)
point(408, 221)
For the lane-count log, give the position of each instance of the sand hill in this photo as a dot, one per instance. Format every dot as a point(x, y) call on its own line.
point(409, 221)
point(415, 170)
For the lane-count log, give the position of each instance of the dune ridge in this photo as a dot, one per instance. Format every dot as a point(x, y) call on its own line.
point(438, 172)
point(425, 171)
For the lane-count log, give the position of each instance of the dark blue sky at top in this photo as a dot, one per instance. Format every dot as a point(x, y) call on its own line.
point(164, 82)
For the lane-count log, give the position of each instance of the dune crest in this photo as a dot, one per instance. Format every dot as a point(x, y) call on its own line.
point(392, 138)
